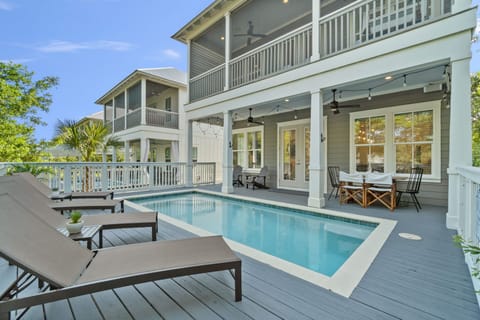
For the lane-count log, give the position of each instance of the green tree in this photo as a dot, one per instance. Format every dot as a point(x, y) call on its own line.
point(86, 137)
point(21, 101)
point(476, 118)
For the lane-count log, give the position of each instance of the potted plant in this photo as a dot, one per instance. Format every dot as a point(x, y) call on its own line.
point(74, 225)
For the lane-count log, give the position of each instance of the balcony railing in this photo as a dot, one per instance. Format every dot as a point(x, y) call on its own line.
point(134, 118)
point(351, 26)
point(289, 51)
point(69, 177)
point(370, 20)
point(161, 118)
point(208, 83)
point(119, 124)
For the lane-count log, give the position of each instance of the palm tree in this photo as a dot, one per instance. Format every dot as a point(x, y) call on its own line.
point(86, 137)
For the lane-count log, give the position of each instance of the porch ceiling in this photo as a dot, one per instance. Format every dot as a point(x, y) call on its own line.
point(354, 93)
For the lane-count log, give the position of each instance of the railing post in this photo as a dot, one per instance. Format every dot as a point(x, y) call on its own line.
point(104, 177)
point(470, 220)
point(151, 175)
point(67, 179)
point(227, 51)
point(315, 30)
point(214, 173)
point(143, 101)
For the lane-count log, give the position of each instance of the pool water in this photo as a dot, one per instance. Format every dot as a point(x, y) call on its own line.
point(321, 243)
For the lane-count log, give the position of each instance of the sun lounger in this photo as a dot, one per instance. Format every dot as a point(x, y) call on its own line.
point(71, 270)
point(32, 198)
point(43, 188)
point(75, 204)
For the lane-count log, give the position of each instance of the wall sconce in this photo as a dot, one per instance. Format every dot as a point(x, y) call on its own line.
point(322, 137)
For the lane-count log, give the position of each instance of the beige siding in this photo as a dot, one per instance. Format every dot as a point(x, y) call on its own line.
point(338, 139)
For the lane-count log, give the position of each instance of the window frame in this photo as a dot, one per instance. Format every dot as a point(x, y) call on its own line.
point(245, 132)
point(389, 149)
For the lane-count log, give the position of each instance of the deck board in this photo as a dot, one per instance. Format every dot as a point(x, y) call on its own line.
point(425, 279)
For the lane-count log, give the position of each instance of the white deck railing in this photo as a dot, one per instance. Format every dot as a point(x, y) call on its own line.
point(288, 51)
point(366, 21)
point(208, 83)
point(161, 118)
point(468, 209)
point(95, 176)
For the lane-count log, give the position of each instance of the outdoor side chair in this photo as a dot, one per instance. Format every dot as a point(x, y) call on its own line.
point(237, 176)
point(379, 187)
point(333, 173)
point(412, 187)
point(352, 188)
point(71, 270)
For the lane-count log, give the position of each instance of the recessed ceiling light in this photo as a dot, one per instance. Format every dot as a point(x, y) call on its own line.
point(388, 78)
point(286, 100)
point(222, 38)
point(285, 1)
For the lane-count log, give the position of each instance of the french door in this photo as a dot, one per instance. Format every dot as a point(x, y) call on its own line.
point(294, 154)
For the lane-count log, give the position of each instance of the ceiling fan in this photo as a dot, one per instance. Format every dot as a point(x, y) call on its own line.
point(250, 34)
point(251, 120)
point(334, 104)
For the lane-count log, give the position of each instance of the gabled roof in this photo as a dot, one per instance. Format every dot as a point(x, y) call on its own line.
point(167, 75)
point(208, 16)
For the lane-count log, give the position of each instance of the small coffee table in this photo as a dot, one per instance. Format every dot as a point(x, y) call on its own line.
point(87, 234)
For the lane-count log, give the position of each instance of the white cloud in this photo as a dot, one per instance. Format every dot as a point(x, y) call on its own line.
point(19, 60)
point(68, 46)
point(4, 5)
point(170, 53)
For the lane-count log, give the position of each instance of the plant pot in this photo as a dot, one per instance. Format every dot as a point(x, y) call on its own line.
point(75, 227)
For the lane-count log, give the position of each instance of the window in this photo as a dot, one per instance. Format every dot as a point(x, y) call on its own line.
point(247, 147)
point(396, 139)
point(168, 154)
point(370, 144)
point(194, 154)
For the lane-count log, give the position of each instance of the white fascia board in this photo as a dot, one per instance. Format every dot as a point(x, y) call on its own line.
point(445, 40)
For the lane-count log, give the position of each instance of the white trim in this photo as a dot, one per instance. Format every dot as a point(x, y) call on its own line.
point(246, 131)
point(389, 152)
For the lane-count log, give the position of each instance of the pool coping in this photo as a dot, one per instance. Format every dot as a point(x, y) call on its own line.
point(342, 282)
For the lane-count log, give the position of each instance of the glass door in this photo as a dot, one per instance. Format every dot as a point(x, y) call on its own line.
point(294, 157)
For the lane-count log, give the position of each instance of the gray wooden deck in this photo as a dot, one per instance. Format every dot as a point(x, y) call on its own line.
point(425, 279)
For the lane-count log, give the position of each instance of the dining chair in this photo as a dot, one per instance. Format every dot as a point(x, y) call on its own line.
point(380, 188)
point(351, 187)
point(412, 187)
point(333, 173)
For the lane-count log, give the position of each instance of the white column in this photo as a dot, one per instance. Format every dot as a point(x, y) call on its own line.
point(227, 50)
point(127, 152)
point(114, 114)
point(317, 166)
point(189, 53)
point(125, 99)
point(315, 30)
point(144, 149)
point(460, 146)
point(143, 101)
point(459, 5)
point(227, 176)
point(114, 154)
point(188, 153)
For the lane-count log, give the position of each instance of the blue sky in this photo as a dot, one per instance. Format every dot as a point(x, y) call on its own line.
point(92, 44)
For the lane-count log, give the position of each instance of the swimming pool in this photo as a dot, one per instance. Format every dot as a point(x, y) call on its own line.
point(328, 248)
point(320, 243)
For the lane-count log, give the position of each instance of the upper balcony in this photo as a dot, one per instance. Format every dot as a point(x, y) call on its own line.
point(264, 38)
point(142, 100)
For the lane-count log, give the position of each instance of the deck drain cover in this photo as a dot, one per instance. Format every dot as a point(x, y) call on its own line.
point(410, 236)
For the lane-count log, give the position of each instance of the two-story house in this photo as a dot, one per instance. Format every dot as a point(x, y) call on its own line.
point(366, 85)
point(144, 111)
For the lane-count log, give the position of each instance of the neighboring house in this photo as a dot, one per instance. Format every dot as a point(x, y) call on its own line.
point(145, 112)
point(366, 85)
